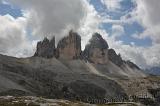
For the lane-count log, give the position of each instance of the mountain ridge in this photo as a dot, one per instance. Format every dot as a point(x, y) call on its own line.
point(68, 72)
point(73, 41)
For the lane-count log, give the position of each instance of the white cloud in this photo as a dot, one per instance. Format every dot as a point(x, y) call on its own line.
point(56, 17)
point(143, 56)
point(112, 5)
point(146, 14)
point(90, 24)
point(152, 55)
point(117, 30)
point(13, 40)
point(52, 17)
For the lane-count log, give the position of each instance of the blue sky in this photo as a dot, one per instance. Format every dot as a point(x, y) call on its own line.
point(8, 9)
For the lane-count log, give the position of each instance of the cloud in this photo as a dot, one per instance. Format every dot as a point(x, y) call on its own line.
point(90, 24)
point(56, 17)
point(13, 40)
point(12, 31)
point(117, 30)
point(146, 14)
point(152, 55)
point(112, 5)
point(144, 57)
point(52, 17)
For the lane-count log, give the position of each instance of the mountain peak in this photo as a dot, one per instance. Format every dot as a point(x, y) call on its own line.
point(97, 50)
point(45, 40)
point(70, 46)
point(97, 41)
point(96, 35)
point(46, 48)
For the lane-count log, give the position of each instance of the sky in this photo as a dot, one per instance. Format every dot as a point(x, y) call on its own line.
point(131, 27)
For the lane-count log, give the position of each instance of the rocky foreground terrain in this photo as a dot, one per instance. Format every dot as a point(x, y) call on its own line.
point(38, 101)
point(66, 72)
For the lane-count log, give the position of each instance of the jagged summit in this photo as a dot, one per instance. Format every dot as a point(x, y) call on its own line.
point(97, 50)
point(70, 46)
point(46, 48)
point(116, 59)
point(97, 41)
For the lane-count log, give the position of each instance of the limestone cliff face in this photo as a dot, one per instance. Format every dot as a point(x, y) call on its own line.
point(69, 47)
point(97, 50)
point(46, 48)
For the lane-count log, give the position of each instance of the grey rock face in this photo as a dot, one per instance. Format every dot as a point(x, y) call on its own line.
point(45, 48)
point(116, 59)
point(97, 49)
point(70, 47)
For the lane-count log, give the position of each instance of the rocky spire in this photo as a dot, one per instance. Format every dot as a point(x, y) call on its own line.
point(70, 46)
point(98, 42)
point(97, 50)
point(46, 48)
point(132, 65)
point(116, 59)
